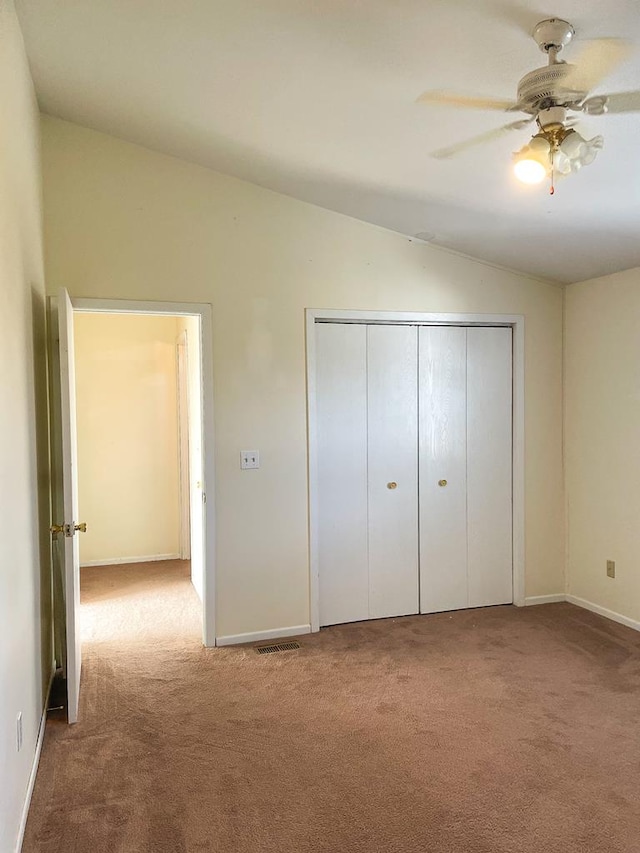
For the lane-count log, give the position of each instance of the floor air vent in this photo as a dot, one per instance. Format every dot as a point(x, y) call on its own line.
point(277, 647)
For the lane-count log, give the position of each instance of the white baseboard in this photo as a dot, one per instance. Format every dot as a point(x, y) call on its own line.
point(117, 561)
point(296, 630)
point(602, 611)
point(587, 605)
point(34, 769)
point(545, 599)
point(274, 634)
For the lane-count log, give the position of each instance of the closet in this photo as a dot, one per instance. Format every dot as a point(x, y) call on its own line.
point(414, 454)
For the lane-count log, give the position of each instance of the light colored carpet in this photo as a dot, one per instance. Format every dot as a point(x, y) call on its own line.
point(486, 731)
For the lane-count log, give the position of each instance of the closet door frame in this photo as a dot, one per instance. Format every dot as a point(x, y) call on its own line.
point(513, 321)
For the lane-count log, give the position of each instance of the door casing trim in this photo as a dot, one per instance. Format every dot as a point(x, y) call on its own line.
point(203, 311)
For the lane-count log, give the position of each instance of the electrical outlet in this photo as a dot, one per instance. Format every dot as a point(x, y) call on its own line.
point(19, 731)
point(611, 568)
point(249, 459)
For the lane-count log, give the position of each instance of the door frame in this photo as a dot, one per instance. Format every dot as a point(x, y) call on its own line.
point(512, 321)
point(203, 311)
point(182, 396)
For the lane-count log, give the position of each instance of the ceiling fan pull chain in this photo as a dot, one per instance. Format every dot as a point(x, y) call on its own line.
point(552, 189)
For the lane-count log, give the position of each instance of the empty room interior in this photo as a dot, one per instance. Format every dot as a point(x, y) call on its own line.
point(319, 451)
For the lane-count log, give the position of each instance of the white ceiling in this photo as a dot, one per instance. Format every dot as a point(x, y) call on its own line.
point(316, 99)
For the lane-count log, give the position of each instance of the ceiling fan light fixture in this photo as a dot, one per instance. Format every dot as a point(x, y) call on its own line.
point(533, 162)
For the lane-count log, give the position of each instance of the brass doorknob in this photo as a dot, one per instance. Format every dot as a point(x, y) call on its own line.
point(442, 482)
point(66, 528)
point(392, 485)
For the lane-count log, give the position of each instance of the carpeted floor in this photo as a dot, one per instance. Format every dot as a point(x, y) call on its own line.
point(499, 730)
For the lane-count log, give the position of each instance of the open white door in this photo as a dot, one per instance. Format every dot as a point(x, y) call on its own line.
point(70, 526)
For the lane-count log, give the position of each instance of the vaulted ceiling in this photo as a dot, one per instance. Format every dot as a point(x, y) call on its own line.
point(318, 100)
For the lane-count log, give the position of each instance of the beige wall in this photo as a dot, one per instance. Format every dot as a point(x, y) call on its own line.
point(602, 394)
point(127, 436)
point(125, 222)
point(25, 584)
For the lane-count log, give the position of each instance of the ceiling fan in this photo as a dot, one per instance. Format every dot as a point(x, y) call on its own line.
point(548, 95)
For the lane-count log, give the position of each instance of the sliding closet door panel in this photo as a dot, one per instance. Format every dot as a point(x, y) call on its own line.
point(489, 462)
point(393, 470)
point(341, 400)
point(443, 485)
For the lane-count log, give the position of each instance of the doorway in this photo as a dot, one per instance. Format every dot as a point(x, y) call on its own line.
point(139, 451)
point(379, 383)
point(64, 448)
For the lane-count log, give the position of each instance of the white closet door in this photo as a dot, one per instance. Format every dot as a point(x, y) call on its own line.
point(393, 470)
point(443, 459)
point(341, 400)
point(398, 406)
point(489, 464)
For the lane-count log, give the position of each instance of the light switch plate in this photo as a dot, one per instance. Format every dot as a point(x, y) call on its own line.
point(249, 459)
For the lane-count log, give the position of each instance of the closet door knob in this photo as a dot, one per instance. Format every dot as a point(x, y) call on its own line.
point(442, 482)
point(392, 485)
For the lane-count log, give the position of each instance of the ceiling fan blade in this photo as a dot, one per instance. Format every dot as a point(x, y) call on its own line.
point(595, 62)
point(451, 99)
point(620, 102)
point(489, 136)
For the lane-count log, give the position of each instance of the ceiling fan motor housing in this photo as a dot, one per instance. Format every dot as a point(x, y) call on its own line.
point(543, 88)
point(553, 34)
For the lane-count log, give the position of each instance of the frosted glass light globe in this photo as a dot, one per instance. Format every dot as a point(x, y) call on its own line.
point(575, 152)
point(530, 171)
